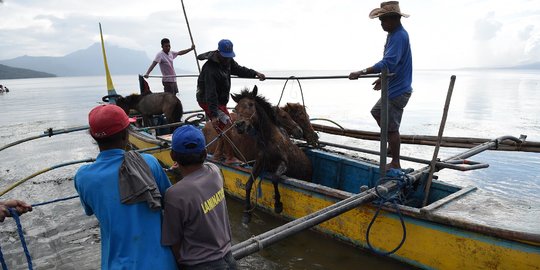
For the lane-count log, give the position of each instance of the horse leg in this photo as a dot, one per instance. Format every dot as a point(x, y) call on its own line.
point(257, 169)
point(246, 217)
point(278, 206)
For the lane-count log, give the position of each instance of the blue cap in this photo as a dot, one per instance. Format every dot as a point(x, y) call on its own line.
point(188, 140)
point(225, 48)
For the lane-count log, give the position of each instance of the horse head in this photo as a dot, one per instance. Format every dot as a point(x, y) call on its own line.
point(254, 112)
point(299, 114)
point(285, 121)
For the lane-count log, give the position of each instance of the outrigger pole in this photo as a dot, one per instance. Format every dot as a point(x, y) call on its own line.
point(439, 138)
point(47, 133)
point(191, 36)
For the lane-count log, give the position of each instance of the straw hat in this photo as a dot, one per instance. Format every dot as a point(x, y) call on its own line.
point(390, 7)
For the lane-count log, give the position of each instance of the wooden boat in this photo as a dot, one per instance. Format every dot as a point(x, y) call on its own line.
point(433, 241)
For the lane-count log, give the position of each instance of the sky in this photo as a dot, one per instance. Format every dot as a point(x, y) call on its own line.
point(280, 34)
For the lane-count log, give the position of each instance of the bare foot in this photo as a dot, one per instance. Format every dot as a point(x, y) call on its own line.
point(393, 165)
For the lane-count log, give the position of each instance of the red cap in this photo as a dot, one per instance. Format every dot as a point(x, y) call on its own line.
point(107, 120)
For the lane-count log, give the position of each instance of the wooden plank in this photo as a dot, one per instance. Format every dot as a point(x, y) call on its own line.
point(457, 142)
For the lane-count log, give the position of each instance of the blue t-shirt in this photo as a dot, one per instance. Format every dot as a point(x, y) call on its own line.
point(398, 59)
point(130, 233)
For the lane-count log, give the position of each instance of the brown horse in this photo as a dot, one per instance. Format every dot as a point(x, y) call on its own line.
point(245, 148)
point(299, 114)
point(153, 104)
point(277, 154)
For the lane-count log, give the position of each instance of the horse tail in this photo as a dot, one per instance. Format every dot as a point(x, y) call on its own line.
point(178, 112)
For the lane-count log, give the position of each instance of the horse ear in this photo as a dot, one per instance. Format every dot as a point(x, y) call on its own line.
point(255, 89)
point(235, 98)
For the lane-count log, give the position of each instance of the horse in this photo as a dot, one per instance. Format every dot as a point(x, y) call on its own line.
point(152, 104)
point(277, 154)
point(299, 114)
point(245, 147)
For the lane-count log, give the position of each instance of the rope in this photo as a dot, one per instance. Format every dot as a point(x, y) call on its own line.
point(301, 91)
point(404, 185)
point(15, 216)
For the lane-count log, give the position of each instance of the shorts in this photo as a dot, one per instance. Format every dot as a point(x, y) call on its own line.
point(395, 110)
point(222, 108)
point(170, 87)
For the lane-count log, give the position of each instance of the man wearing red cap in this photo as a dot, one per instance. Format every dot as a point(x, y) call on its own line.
point(130, 231)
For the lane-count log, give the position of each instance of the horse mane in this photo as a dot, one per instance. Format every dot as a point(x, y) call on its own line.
point(261, 102)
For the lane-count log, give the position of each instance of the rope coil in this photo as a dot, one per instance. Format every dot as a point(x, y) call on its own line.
point(404, 183)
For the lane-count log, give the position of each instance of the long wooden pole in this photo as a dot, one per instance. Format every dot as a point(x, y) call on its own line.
point(439, 138)
point(383, 122)
point(191, 36)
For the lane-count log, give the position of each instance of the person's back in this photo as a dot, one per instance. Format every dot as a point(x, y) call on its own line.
point(130, 229)
point(204, 223)
point(196, 223)
point(130, 234)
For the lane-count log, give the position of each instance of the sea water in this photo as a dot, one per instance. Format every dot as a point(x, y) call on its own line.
point(485, 103)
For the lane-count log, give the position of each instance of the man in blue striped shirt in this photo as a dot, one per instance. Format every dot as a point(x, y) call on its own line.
point(398, 60)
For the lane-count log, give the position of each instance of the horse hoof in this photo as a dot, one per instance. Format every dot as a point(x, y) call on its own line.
point(246, 218)
point(278, 207)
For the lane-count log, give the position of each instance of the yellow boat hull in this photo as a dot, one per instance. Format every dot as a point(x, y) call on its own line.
point(430, 244)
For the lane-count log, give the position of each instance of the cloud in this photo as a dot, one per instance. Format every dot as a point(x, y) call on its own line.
point(487, 28)
point(525, 33)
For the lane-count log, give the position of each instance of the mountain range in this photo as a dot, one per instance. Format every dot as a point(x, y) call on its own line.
point(7, 72)
point(86, 62)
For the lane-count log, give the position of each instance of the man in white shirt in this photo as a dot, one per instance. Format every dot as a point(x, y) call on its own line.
point(165, 59)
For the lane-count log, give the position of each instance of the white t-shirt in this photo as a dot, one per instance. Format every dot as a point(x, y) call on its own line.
point(166, 65)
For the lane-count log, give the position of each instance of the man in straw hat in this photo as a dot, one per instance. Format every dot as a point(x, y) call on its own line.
point(398, 60)
point(130, 226)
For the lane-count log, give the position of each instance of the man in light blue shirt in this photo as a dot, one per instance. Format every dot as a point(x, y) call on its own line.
point(398, 60)
point(130, 233)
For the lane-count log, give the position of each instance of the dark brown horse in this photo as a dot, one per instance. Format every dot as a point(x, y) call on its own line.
point(299, 114)
point(153, 104)
point(245, 149)
point(277, 154)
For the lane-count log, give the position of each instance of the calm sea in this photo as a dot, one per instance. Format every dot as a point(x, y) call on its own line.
point(486, 103)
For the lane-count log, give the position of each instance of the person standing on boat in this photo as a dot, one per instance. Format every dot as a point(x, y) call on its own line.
point(214, 87)
point(123, 190)
point(19, 206)
point(165, 60)
point(196, 222)
point(398, 60)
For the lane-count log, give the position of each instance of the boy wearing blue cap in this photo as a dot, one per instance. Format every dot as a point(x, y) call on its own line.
point(196, 223)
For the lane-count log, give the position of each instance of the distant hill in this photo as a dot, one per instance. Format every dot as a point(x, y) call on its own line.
point(87, 62)
point(528, 66)
point(7, 72)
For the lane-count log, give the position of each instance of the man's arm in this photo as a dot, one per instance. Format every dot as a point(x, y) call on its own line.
point(182, 52)
point(154, 63)
point(20, 206)
point(244, 72)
